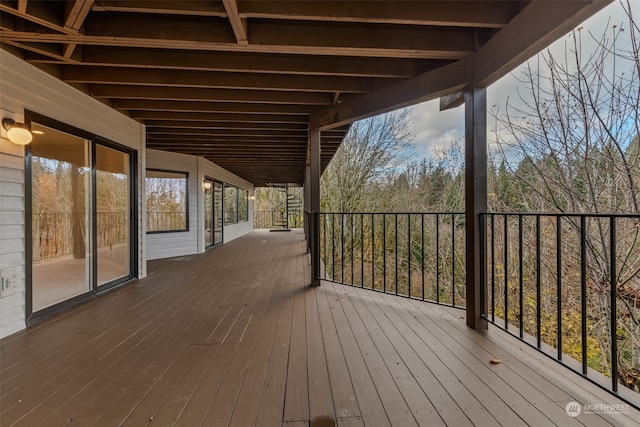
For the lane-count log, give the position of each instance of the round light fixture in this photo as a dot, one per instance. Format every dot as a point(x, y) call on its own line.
point(18, 133)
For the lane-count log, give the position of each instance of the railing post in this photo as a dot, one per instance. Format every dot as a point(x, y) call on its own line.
point(475, 200)
point(314, 184)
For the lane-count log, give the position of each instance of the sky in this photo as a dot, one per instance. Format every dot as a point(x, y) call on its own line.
point(435, 130)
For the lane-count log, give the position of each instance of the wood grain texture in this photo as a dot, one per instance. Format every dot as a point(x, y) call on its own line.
point(235, 336)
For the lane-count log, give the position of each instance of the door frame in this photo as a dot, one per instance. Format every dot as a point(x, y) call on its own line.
point(39, 315)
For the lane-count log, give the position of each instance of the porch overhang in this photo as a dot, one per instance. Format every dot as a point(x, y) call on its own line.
point(241, 83)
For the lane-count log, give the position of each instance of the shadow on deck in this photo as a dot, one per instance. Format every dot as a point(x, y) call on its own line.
point(235, 336)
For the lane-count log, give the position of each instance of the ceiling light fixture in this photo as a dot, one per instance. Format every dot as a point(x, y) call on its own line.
point(18, 133)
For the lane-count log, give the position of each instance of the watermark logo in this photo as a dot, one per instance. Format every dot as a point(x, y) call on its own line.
point(573, 409)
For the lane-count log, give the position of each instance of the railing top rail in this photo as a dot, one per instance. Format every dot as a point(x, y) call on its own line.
point(392, 213)
point(565, 214)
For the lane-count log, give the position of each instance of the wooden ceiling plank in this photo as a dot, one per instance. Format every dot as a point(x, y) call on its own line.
point(493, 14)
point(218, 117)
point(183, 7)
point(215, 79)
point(184, 124)
point(239, 25)
point(251, 62)
point(423, 87)
point(172, 107)
point(199, 94)
point(227, 132)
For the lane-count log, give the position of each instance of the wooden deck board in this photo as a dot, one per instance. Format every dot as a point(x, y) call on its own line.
point(236, 336)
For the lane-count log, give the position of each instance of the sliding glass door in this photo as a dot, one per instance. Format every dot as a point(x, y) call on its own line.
point(217, 212)
point(79, 215)
point(60, 220)
point(113, 203)
point(212, 212)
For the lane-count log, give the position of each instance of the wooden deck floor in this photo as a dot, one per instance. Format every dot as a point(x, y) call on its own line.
point(236, 337)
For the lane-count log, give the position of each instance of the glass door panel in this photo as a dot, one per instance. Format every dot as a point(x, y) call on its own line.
point(218, 212)
point(208, 213)
point(112, 214)
point(60, 223)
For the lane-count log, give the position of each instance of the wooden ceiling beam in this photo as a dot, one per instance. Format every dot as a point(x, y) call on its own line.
point(22, 6)
point(282, 37)
point(492, 14)
point(216, 79)
point(172, 107)
point(227, 132)
point(423, 87)
point(251, 62)
point(183, 7)
point(199, 94)
point(75, 13)
point(238, 23)
point(218, 117)
point(172, 124)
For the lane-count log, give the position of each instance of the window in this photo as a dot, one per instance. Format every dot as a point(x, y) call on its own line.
point(167, 201)
point(230, 204)
point(243, 205)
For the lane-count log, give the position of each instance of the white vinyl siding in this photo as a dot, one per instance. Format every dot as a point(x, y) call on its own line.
point(176, 243)
point(24, 87)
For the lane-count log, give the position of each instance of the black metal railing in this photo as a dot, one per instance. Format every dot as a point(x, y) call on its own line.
point(278, 219)
point(569, 286)
point(416, 255)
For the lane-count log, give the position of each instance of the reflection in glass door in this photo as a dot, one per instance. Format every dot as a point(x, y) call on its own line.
point(60, 216)
point(112, 214)
point(218, 212)
point(208, 212)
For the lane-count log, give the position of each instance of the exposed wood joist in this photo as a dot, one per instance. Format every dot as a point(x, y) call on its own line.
point(219, 117)
point(75, 14)
point(218, 77)
point(210, 107)
point(183, 7)
point(294, 127)
point(250, 62)
point(215, 79)
point(424, 87)
point(535, 27)
point(22, 6)
point(285, 37)
point(219, 95)
point(494, 14)
point(238, 24)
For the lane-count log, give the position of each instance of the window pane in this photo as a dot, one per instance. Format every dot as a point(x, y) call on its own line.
point(166, 201)
point(61, 206)
point(112, 217)
point(243, 205)
point(230, 204)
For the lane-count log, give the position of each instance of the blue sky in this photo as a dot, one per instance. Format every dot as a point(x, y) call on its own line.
point(436, 129)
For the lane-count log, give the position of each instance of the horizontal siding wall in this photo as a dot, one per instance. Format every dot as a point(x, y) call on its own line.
point(24, 87)
point(166, 245)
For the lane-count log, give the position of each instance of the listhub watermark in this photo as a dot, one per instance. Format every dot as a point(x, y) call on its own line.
point(573, 408)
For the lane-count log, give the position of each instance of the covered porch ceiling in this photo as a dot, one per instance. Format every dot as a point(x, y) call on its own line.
point(241, 82)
